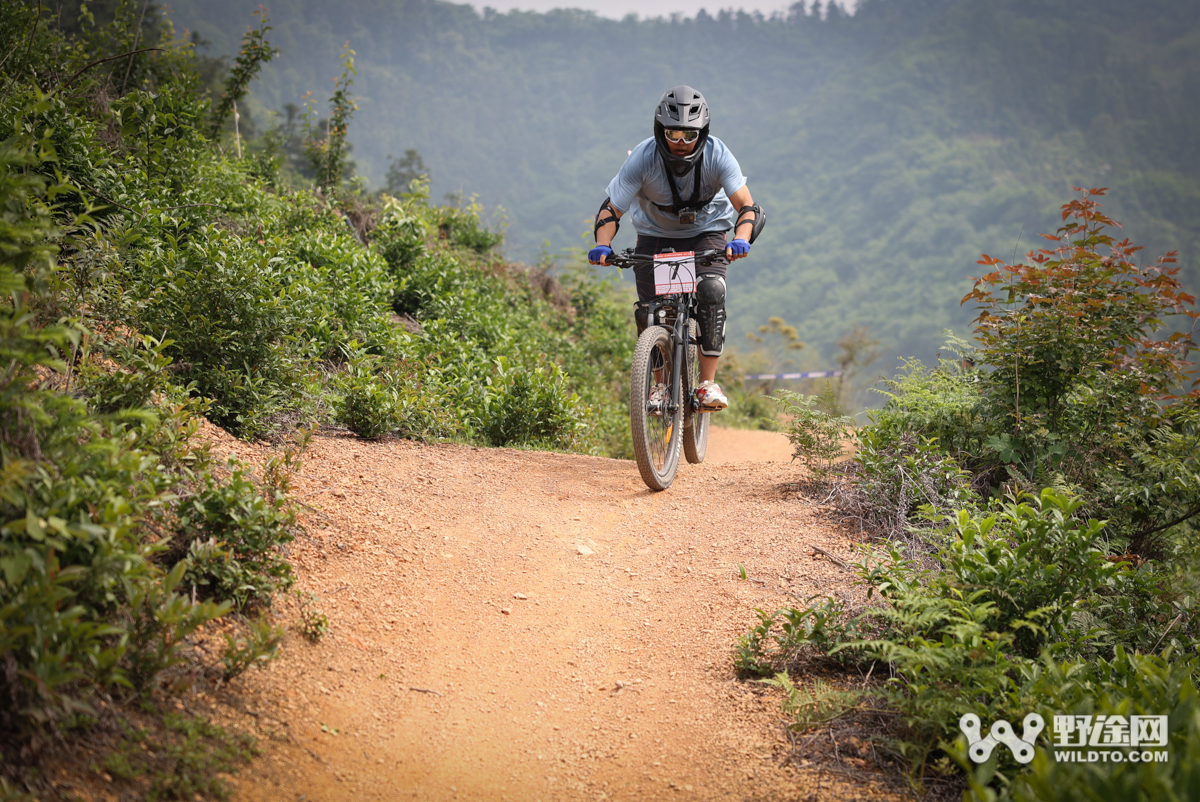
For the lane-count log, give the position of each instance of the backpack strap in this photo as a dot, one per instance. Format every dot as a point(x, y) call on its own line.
point(694, 202)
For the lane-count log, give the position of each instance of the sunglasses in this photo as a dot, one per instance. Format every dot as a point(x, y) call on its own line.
point(676, 135)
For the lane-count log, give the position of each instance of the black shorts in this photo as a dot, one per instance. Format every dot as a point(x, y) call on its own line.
point(648, 246)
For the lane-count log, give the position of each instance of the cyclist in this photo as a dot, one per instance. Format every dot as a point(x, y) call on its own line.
point(681, 156)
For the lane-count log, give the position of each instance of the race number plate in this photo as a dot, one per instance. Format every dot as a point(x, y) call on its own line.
point(675, 272)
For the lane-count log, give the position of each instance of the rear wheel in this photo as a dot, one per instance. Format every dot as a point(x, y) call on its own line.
point(656, 437)
point(695, 424)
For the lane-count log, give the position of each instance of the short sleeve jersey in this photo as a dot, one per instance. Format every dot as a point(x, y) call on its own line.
point(642, 183)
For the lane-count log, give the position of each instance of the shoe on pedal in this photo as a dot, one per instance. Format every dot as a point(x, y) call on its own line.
point(656, 404)
point(710, 398)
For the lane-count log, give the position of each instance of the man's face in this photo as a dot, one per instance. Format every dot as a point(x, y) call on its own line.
point(680, 148)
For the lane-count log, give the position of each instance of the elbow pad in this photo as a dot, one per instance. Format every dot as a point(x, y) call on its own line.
point(603, 221)
point(760, 219)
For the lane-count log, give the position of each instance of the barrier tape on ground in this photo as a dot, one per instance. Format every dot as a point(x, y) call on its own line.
point(820, 374)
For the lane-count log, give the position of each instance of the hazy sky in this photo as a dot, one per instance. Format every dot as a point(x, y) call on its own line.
point(644, 8)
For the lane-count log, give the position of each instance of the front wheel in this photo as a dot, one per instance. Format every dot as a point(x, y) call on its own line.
point(657, 432)
point(695, 424)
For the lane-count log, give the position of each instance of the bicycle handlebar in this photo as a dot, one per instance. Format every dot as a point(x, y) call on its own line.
point(627, 258)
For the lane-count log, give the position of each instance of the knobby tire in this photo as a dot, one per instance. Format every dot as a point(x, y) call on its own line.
point(656, 439)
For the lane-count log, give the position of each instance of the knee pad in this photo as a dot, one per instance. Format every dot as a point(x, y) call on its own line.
point(641, 316)
point(710, 314)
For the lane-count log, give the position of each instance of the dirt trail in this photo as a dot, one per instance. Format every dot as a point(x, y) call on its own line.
point(531, 626)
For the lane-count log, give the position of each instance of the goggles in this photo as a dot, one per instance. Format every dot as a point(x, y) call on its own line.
point(680, 136)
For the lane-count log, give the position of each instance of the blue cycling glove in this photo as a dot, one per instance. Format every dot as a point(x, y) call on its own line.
point(739, 247)
point(601, 251)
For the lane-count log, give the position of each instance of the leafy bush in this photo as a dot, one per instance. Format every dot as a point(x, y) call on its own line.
point(817, 433)
point(368, 407)
point(967, 635)
point(902, 479)
point(378, 399)
point(232, 536)
point(1078, 388)
point(82, 602)
point(530, 405)
point(1127, 684)
point(258, 646)
point(803, 633)
point(1066, 387)
point(462, 227)
point(940, 404)
point(1068, 390)
point(313, 624)
point(137, 372)
point(400, 238)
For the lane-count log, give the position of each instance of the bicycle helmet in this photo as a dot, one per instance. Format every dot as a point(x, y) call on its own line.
point(681, 107)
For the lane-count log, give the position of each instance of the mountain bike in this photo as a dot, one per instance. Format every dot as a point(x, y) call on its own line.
point(668, 353)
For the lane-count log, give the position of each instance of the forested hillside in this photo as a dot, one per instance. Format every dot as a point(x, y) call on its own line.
point(890, 147)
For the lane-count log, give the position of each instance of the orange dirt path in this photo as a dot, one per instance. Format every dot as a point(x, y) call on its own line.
point(742, 445)
point(515, 625)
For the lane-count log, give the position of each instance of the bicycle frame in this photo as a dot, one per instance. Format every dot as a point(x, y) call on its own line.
point(681, 305)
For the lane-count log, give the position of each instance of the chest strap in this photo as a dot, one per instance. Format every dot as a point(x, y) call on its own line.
point(694, 202)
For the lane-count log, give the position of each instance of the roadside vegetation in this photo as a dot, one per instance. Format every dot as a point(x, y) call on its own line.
point(1030, 514)
point(160, 267)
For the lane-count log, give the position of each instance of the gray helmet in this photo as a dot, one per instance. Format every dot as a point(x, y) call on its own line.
point(681, 107)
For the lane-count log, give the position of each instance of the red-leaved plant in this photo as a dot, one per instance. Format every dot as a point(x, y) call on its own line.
point(1083, 391)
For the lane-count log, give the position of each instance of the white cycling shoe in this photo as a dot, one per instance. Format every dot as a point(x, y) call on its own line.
point(710, 397)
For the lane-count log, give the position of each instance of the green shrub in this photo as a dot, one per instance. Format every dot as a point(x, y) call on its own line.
point(1078, 388)
point(1128, 684)
point(81, 601)
point(463, 228)
point(399, 237)
point(232, 536)
point(257, 647)
point(378, 399)
point(803, 633)
point(159, 619)
point(817, 433)
point(530, 405)
point(313, 624)
point(902, 480)
point(368, 407)
point(226, 309)
point(967, 634)
point(941, 404)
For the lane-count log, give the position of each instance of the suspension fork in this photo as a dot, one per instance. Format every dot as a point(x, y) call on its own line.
point(680, 344)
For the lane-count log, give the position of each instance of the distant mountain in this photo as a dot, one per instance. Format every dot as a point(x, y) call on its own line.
point(890, 148)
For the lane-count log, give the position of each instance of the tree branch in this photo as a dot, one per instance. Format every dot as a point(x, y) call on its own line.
point(71, 80)
point(1193, 512)
point(137, 40)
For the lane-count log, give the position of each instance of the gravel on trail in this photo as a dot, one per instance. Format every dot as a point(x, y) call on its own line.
point(520, 625)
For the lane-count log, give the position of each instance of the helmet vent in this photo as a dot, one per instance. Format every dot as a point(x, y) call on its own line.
point(693, 112)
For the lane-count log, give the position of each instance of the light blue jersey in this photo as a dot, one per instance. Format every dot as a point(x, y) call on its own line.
point(644, 179)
